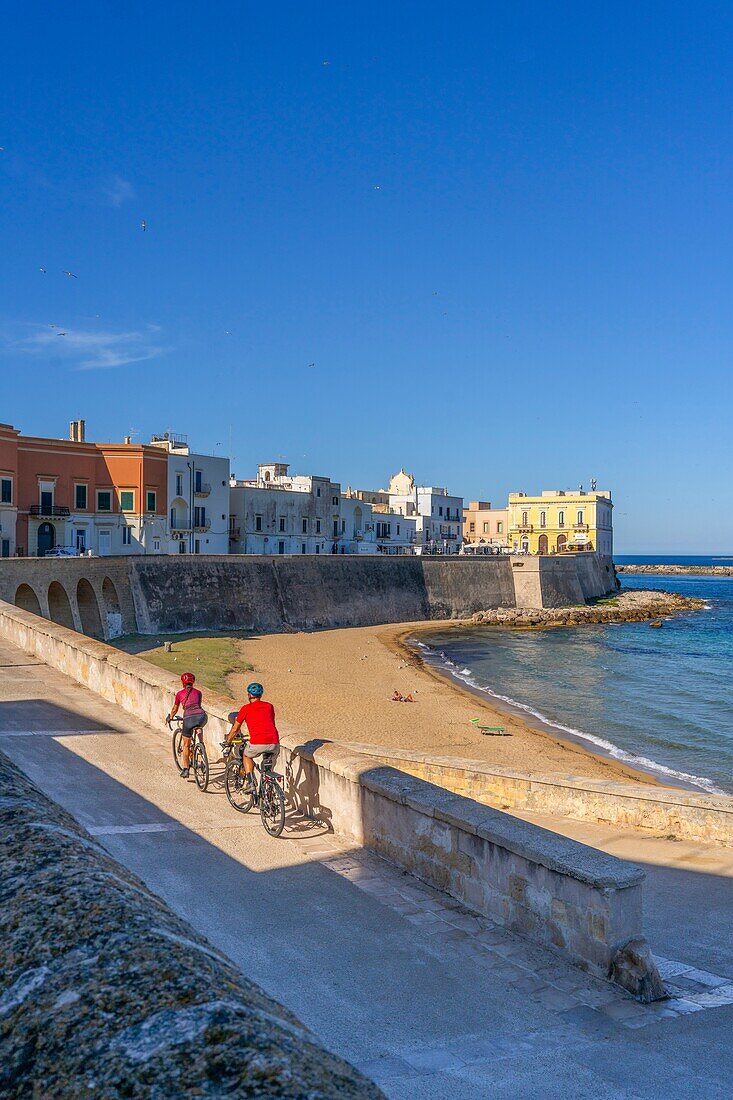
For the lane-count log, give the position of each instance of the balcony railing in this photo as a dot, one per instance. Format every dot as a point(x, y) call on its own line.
point(180, 525)
point(234, 534)
point(525, 528)
point(581, 527)
point(51, 511)
point(201, 490)
point(203, 525)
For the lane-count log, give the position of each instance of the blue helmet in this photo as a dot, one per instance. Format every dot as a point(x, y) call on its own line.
point(255, 690)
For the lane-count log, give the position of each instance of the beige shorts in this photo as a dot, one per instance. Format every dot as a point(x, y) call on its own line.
point(253, 751)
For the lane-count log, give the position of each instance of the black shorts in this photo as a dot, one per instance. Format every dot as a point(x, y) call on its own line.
point(193, 722)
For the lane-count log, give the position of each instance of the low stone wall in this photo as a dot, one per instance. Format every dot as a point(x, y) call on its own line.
point(562, 894)
point(686, 816)
point(106, 992)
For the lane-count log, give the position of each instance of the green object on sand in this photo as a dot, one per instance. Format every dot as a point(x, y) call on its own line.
point(496, 731)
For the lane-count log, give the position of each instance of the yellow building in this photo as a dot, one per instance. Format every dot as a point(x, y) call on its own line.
point(484, 524)
point(561, 521)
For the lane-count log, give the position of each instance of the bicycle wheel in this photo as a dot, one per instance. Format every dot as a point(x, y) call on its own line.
point(240, 798)
point(272, 807)
point(177, 749)
point(201, 766)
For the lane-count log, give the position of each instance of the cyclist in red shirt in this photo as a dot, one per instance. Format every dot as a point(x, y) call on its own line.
point(259, 717)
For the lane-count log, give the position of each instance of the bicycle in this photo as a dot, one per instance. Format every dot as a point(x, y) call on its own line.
point(199, 760)
point(267, 793)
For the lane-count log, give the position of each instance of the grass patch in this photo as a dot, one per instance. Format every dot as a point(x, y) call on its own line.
point(605, 601)
point(211, 657)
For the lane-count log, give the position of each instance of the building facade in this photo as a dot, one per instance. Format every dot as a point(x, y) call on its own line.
point(197, 498)
point(561, 521)
point(277, 513)
point(103, 498)
point(438, 515)
point(484, 525)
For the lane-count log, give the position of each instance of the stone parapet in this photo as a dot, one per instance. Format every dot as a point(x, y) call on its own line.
point(666, 810)
point(106, 992)
point(561, 894)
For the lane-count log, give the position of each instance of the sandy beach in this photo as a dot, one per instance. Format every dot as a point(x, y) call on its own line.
point(338, 684)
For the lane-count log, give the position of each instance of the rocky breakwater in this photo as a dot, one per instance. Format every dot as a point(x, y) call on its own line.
point(105, 992)
point(679, 570)
point(627, 607)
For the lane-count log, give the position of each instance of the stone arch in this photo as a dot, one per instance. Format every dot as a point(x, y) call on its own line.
point(26, 598)
point(59, 605)
point(86, 601)
point(542, 544)
point(112, 609)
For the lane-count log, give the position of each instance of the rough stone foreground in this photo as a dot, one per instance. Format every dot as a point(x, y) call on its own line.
point(627, 607)
point(681, 570)
point(105, 992)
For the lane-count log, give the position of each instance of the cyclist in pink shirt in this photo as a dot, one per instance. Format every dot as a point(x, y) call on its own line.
point(194, 715)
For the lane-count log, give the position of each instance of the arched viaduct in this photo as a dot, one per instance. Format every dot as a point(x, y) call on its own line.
point(91, 596)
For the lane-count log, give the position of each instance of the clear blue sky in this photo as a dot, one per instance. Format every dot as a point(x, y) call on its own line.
point(501, 232)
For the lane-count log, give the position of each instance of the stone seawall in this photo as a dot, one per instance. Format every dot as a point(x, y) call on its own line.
point(106, 597)
point(106, 992)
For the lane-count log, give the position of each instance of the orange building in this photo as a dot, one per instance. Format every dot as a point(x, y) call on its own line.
point(483, 524)
point(110, 498)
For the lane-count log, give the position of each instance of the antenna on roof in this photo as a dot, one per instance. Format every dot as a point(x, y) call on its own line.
point(593, 485)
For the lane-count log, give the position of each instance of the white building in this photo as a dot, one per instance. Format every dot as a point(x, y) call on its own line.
point(276, 513)
point(389, 531)
point(438, 515)
point(198, 498)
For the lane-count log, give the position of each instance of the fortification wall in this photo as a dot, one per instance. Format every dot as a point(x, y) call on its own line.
point(106, 597)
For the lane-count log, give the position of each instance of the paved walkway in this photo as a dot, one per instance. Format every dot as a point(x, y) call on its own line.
point(408, 985)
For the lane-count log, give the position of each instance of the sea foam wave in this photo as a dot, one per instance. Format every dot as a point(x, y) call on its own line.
point(438, 657)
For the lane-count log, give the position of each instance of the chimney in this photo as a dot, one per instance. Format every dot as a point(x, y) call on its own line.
point(77, 431)
point(127, 440)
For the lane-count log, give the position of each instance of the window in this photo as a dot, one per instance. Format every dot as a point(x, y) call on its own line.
point(318, 527)
point(335, 528)
point(282, 523)
point(500, 528)
point(335, 501)
point(543, 519)
point(179, 485)
point(472, 527)
point(486, 528)
point(398, 528)
point(104, 500)
point(81, 540)
point(440, 511)
point(46, 501)
point(197, 546)
point(561, 519)
point(151, 501)
point(156, 546)
point(6, 491)
point(305, 528)
point(281, 547)
point(127, 500)
point(525, 519)
point(197, 481)
point(80, 498)
point(258, 523)
point(580, 516)
point(127, 536)
point(318, 549)
point(318, 492)
point(302, 548)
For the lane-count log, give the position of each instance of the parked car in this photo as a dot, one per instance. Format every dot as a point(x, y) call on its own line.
point(63, 552)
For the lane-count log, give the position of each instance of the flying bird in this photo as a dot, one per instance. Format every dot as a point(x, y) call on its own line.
point(311, 364)
point(70, 274)
point(42, 270)
point(61, 334)
point(143, 226)
point(377, 187)
point(325, 63)
point(227, 332)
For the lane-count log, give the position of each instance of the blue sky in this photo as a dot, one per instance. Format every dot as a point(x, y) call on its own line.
point(501, 233)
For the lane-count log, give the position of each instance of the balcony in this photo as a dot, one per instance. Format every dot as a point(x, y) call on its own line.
point(204, 525)
point(525, 528)
point(581, 527)
point(234, 534)
point(50, 511)
point(202, 489)
point(180, 525)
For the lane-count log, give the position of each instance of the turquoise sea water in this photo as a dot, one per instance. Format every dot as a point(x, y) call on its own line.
point(659, 699)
